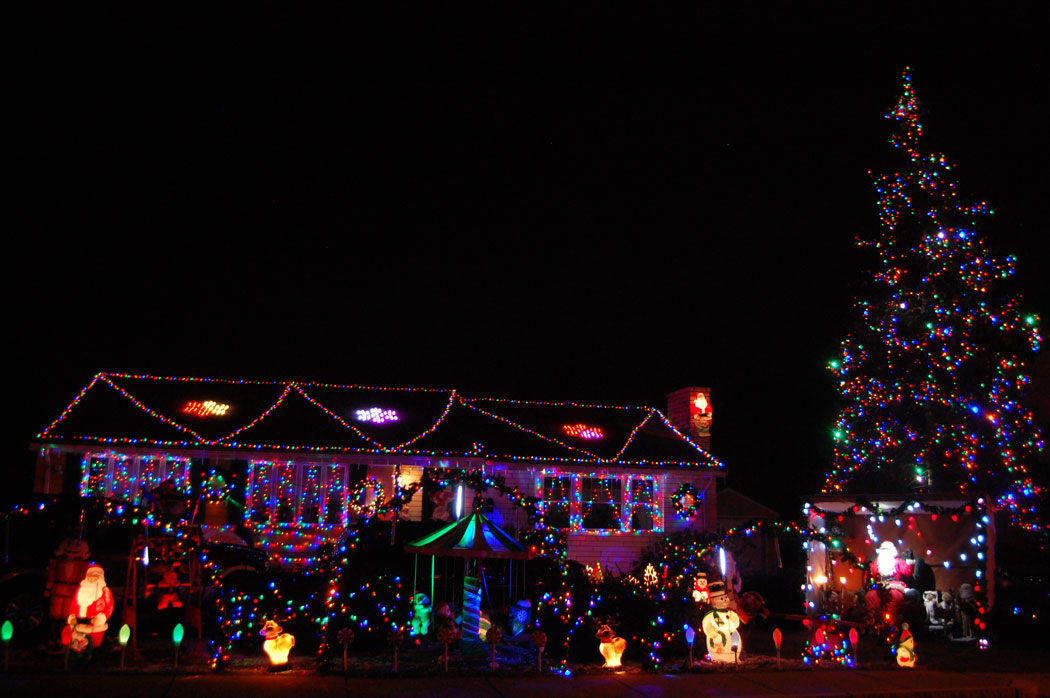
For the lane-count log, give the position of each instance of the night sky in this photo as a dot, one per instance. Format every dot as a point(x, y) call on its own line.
point(554, 202)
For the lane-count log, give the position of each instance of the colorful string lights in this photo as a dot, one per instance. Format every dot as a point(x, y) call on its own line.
point(692, 456)
point(934, 376)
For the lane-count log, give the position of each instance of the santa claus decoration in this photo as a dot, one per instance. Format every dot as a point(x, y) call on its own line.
point(64, 572)
point(89, 609)
point(888, 572)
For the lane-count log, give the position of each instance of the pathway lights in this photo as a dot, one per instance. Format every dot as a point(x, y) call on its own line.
point(177, 634)
point(6, 631)
point(124, 635)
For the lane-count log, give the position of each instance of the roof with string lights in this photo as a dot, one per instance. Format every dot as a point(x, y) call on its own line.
point(117, 409)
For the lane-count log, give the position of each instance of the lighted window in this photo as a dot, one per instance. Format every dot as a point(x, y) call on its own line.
point(129, 478)
point(205, 408)
point(643, 505)
point(557, 500)
point(600, 504)
point(299, 493)
point(583, 431)
point(376, 415)
point(600, 500)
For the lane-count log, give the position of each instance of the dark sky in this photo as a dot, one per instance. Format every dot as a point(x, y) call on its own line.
point(561, 202)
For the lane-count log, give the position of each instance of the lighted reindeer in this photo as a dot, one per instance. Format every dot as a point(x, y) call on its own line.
point(277, 644)
point(611, 647)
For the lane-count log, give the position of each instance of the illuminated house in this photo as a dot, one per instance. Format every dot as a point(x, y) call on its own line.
point(301, 460)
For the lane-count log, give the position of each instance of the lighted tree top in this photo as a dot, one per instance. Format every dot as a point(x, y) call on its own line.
point(933, 375)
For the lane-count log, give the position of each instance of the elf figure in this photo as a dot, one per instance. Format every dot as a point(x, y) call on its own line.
point(89, 610)
point(906, 648)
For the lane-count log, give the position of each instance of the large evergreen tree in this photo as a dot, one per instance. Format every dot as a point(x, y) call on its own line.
point(933, 376)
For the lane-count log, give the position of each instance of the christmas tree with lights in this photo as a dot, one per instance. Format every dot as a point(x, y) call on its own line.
point(933, 376)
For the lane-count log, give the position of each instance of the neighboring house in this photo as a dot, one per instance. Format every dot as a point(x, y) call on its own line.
point(304, 459)
point(755, 554)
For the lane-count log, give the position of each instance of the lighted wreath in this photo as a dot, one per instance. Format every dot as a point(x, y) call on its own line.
point(359, 495)
point(686, 501)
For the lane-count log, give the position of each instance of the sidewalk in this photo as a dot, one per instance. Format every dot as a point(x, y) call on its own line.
point(296, 684)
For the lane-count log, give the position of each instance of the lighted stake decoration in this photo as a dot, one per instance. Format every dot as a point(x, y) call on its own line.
point(395, 638)
point(124, 635)
point(539, 641)
point(7, 630)
point(345, 637)
point(177, 633)
point(934, 377)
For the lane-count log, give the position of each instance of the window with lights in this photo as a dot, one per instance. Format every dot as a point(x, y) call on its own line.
point(288, 493)
point(602, 503)
point(128, 478)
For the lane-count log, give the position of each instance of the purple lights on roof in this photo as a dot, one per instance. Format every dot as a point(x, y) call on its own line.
point(376, 415)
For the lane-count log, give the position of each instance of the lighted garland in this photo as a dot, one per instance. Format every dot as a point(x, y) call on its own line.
point(359, 494)
point(683, 508)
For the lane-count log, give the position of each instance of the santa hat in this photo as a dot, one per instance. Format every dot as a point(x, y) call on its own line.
point(905, 634)
point(888, 546)
point(95, 568)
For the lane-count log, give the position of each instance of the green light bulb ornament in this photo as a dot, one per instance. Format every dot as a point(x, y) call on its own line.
point(124, 635)
point(6, 631)
point(177, 634)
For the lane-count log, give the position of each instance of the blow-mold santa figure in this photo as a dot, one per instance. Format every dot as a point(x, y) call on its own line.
point(89, 610)
point(888, 571)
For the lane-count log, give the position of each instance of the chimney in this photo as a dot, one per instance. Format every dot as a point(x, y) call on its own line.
point(689, 409)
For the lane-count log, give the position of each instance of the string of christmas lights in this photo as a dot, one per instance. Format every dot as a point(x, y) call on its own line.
point(934, 376)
